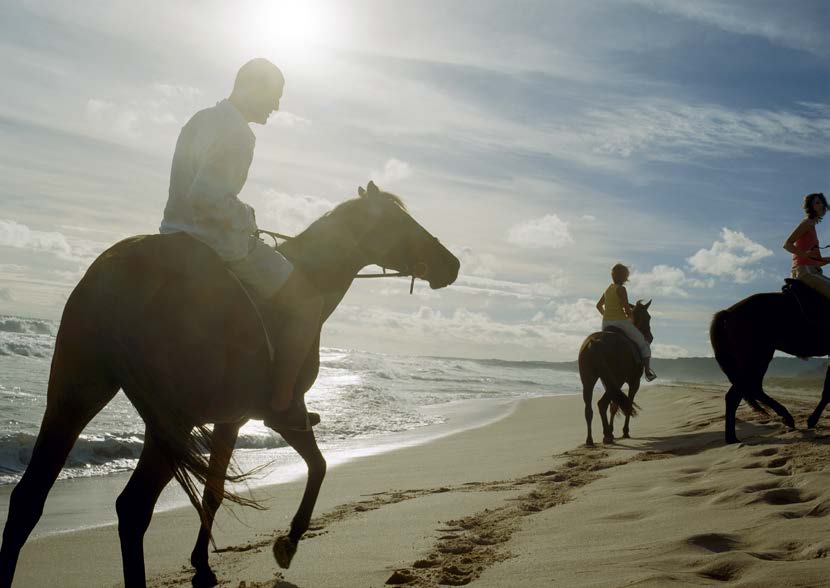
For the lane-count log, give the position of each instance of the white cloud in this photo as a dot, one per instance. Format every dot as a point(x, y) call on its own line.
point(666, 281)
point(479, 285)
point(282, 118)
point(579, 317)
point(287, 213)
point(547, 232)
point(14, 234)
point(667, 130)
point(730, 257)
point(394, 170)
point(669, 351)
point(476, 264)
point(6, 295)
point(775, 22)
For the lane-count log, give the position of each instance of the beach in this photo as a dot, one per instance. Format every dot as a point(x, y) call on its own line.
point(520, 502)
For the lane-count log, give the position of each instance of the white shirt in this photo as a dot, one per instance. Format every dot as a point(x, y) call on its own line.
point(210, 166)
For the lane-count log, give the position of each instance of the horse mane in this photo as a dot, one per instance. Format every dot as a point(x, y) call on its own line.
point(346, 209)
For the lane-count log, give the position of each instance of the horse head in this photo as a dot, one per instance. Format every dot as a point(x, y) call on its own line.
point(642, 319)
point(390, 238)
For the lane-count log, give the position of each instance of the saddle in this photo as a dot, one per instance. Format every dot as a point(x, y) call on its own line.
point(812, 303)
point(635, 349)
point(179, 261)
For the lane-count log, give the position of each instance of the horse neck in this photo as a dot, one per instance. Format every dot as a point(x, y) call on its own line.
point(330, 258)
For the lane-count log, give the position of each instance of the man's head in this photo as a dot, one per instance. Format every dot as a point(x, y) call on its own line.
point(257, 90)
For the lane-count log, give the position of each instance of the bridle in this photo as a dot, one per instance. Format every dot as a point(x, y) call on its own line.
point(419, 271)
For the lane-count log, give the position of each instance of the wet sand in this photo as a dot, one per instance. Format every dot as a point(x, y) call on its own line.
point(520, 502)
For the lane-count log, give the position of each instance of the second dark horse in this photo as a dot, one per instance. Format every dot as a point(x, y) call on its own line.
point(610, 357)
point(746, 335)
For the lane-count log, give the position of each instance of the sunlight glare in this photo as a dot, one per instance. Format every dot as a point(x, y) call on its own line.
point(295, 31)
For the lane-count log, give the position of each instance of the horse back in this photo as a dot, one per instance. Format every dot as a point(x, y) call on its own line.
point(173, 283)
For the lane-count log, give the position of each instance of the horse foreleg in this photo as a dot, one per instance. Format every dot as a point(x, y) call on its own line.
point(732, 400)
point(607, 431)
point(224, 438)
point(135, 508)
point(779, 408)
point(822, 404)
point(305, 444)
point(69, 408)
point(588, 383)
point(632, 392)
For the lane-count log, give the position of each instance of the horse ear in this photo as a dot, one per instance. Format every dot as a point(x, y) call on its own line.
point(361, 192)
point(647, 304)
point(371, 188)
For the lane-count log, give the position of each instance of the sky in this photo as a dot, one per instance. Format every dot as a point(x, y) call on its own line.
point(541, 142)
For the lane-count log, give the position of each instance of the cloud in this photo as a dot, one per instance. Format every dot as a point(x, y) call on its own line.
point(479, 285)
point(20, 236)
point(394, 170)
point(665, 280)
point(776, 22)
point(547, 232)
point(729, 257)
point(483, 265)
point(6, 295)
point(462, 326)
point(666, 130)
point(14, 234)
point(287, 213)
point(669, 351)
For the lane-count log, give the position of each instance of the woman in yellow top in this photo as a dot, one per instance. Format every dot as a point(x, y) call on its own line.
point(616, 312)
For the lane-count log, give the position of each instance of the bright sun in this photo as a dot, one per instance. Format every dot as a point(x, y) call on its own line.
point(295, 30)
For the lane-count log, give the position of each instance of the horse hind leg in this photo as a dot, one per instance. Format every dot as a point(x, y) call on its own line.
point(73, 399)
point(134, 507)
point(224, 438)
point(812, 422)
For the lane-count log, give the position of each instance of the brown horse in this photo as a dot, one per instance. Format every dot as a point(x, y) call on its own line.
point(159, 317)
point(609, 356)
point(746, 335)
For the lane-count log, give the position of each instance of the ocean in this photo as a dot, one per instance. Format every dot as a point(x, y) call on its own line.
point(369, 402)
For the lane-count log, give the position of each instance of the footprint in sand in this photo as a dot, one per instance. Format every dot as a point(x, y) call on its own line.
point(777, 462)
point(716, 542)
point(764, 452)
point(697, 492)
point(726, 569)
point(762, 486)
point(784, 496)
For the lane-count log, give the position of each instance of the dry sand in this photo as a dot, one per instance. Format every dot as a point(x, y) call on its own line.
point(521, 502)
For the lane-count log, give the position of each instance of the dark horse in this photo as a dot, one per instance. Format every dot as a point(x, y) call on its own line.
point(746, 335)
point(159, 317)
point(611, 357)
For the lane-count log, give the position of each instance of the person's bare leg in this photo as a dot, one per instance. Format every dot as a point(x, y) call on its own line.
point(650, 375)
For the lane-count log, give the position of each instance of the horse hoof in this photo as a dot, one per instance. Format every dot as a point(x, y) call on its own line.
point(811, 424)
point(732, 440)
point(790, 423)
point(204, 579)
point(590, 443)
point(284, 550)
point(626, 435)
point(608, 440)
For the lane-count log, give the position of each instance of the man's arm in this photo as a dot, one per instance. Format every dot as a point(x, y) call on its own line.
point(216, 185)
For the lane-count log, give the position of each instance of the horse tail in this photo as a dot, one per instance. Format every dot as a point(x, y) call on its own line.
point(723, 347)
point(187, 448)
point(618, 397)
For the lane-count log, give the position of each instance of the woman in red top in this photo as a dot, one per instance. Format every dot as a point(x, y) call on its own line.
point(803, 244)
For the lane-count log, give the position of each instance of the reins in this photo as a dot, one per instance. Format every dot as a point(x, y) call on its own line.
point(276, 236)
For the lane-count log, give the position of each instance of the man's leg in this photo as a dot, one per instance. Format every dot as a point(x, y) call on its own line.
point(300, 307)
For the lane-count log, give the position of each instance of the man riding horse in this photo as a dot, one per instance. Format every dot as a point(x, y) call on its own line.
point(210, 165)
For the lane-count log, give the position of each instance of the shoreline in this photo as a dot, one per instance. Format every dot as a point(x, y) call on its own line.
point(82, 503)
